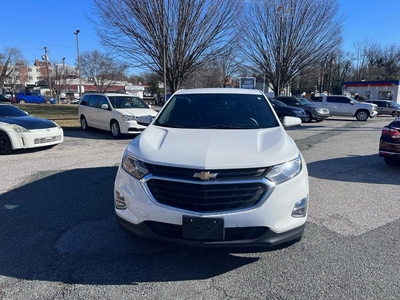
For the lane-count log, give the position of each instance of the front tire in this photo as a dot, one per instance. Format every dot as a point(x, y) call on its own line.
point(22, 101)
point(115, 130)
point(308, 118)
point(5, 144)
point(362, 115)
point(84, 124)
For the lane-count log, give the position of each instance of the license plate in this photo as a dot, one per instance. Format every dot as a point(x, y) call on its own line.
point(203, 228)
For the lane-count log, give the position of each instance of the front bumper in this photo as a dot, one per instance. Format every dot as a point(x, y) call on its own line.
point(249, 237)
point(373, 114)
point(320, 116)
point(268, 223)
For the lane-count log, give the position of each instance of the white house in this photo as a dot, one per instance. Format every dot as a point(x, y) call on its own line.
point(374, 90)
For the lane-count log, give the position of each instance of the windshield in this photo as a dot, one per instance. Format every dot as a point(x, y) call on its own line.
point(304, 101)
point(277, 102)
point(217, 111)
point(127, 102)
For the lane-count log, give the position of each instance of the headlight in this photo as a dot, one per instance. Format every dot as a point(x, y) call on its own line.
point(298, 113)
point(283, 172)
point(17, 128)
point(128, 118)
point(134, 167)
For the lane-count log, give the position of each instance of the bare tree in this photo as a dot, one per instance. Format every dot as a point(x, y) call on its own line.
point(384, 62)
point(187, 34)
point(102, 70)
point(285, 36)
point(11, 59)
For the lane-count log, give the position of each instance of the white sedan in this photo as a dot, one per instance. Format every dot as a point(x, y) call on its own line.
point(18, 130)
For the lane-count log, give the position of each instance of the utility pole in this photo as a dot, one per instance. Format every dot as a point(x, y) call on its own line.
point(165, 51)
point(79, 67)
point(45, 56)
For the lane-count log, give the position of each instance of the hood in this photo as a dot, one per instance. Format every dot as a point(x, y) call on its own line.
point(137, 111)
point(213, 148)
point(29, 122)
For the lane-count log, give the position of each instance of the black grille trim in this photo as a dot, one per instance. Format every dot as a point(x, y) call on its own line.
point(207, 197)
point(231, 234)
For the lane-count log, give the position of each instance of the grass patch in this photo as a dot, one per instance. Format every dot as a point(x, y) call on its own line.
point(65, 115)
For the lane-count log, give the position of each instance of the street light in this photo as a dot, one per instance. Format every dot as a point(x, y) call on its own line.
point(79, 67)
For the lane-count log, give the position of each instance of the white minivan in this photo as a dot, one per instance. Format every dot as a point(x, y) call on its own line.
point(113, 112)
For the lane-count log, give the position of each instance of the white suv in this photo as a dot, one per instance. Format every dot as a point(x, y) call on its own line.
point(214, 168)
point(113, 112)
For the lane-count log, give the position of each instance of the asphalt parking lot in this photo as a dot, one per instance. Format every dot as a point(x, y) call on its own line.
point(59, 238)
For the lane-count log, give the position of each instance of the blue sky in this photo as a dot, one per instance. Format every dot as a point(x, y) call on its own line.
point(31, 25)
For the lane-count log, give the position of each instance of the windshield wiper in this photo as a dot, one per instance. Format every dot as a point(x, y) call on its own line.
point(172, 125)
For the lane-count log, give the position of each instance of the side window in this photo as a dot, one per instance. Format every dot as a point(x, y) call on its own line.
point(332, 99)
point(85, 100)
point(103, 100)
point(94, 101)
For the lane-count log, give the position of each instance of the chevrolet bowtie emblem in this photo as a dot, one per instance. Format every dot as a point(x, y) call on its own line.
point(205, 175)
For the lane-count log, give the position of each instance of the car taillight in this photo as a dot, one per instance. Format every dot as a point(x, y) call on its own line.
point(393, 132)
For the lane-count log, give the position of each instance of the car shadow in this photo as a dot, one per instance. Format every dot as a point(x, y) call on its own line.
point(62, 228)
point(357, 168)
point(96, 134)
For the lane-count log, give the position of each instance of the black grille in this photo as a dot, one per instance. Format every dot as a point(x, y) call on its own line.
point(207, 197)
point(231, 234)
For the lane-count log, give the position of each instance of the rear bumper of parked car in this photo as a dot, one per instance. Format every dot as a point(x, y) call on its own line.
point(389, 149)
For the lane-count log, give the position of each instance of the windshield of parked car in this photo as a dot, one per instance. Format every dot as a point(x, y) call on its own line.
point(304, 101)
point(217, 111)
point(278, 102)
point(127, 102)
point(11, 111)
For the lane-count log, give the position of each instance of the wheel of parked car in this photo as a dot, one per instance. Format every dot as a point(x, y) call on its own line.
point(362, 115)
point(308, 118)
point(5, 144)
point(84, 124)
point(115, 131)
point(22, 101)
point(392, 161)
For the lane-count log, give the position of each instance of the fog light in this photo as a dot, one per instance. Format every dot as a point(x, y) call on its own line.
point(119, 201)
point(300, 208)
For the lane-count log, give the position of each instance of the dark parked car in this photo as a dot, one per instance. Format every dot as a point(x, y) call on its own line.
point(389, 144)
point(283, 110)
point(386, 107)
point(3, 98)
point(29, 97)
point(313, 112)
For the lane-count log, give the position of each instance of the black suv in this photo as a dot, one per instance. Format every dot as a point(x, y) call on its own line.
point(313, 112)
point(283, 110)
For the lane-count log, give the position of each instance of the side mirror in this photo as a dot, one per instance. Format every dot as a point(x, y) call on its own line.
point(291, 121)
point(104, 106)
point(351, 102)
